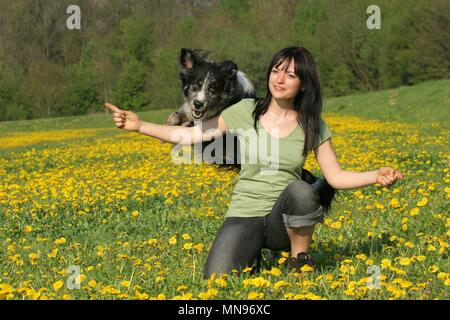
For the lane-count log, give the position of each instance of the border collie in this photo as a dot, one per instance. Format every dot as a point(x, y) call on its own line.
point(208, 87)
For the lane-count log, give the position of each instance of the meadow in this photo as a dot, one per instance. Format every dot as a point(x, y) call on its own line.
point(77, 191)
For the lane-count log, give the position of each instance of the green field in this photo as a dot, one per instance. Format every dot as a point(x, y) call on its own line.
point(77, 191)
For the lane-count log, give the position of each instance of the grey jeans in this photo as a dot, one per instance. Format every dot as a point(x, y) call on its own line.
point(239, 241)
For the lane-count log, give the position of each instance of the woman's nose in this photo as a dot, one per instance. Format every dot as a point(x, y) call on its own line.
point(280, 77)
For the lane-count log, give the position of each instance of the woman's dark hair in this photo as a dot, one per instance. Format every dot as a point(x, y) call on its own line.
point(307, 103)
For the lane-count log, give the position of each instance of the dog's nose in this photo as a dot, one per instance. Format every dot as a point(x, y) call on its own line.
point(198, 104)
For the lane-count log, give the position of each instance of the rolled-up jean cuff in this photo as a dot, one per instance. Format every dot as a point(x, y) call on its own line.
point(296, 221)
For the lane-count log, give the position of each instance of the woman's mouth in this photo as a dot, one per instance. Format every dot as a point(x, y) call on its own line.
point(197, 114)
point(279, 88)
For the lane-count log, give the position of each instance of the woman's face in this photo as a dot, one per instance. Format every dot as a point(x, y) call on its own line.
point(284, 84)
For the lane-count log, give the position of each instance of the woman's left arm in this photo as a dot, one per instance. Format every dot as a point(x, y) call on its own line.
point(341, 179)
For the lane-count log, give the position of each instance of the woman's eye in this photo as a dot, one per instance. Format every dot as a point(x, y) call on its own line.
point(292, 76)
point(274, 71)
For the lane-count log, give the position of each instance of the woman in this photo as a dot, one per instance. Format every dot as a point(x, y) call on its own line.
point(279, 210)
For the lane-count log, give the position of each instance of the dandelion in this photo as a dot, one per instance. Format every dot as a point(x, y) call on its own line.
point(58, 285)
point(92, 283)
point(27, 229)
point(181, 288)
point(414, 212)
point(405, 261)
point(186, 236)
point(33, 258)
point(306, 268)
point(199, 247)
point(275, 272)
point(409, 245)
point(173, 240)
point(385, 264)
point(255, 295)
point(125, 284)
point(134, 214)
point(423, 202)
point(187, 246)
point(361, 257)
point(60, 241)
point(221, 282)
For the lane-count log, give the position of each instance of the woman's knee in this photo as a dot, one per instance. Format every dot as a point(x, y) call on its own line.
point(301, 197)
point(302, 207)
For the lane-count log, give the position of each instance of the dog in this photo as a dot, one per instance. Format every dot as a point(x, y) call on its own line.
point(210, 87)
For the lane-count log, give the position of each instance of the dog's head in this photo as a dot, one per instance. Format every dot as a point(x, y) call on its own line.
point(206, 84)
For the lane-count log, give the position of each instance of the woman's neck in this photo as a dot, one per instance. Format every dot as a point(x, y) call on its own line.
point(281, 108)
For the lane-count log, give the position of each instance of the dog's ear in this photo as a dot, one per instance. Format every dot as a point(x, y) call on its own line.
point(229, 68)
point(187, 59)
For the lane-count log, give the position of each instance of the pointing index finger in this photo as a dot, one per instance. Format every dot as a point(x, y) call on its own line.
point(112, 107)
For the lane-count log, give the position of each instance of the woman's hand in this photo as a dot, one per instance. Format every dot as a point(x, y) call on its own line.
point(125, 120)
point(387, 176)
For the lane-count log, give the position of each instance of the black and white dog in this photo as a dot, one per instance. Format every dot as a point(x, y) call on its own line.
point(208, 87)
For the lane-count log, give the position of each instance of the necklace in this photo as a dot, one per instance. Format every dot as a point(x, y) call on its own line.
point(275, 121)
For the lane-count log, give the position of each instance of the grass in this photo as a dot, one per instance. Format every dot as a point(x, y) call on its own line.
point(76, 191)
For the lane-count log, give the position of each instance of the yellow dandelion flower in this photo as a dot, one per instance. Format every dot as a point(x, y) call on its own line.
point(221, 282)
point(361, 256)
point(336, 225)
point(125, 284)
point(423, 202)
point(414, 212)
point(447, 282)
point(433, 269)
point(186, 236)
point(281, 283)
point(405, 261)
point(187, 246)
point(27, 229)
point(409, 245)
point(420, 258)
point(306, 268)
point(199, 247)
point(134, 214)
point(281, 260)
point(60, 241)
point(182, 287)
point(275, 272)
point(385, 263)
point(441, 275)
point(173, 240)
point(255, 295)
point(58, 285)
point(92, 283)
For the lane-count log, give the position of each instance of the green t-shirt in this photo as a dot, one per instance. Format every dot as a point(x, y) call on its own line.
point(268, 164)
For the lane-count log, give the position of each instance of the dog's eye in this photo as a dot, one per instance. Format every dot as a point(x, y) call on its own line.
point(211, 89)
point(196, 87)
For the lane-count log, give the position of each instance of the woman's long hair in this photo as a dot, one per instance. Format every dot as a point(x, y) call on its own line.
point(307, 103)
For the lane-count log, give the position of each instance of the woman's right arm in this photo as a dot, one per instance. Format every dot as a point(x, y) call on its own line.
point(204, 131)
